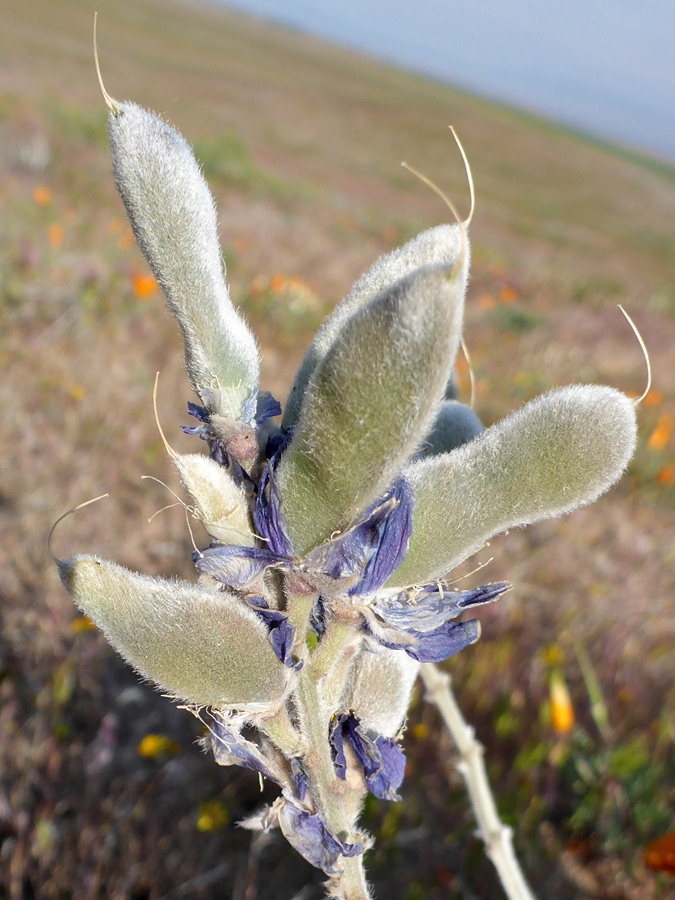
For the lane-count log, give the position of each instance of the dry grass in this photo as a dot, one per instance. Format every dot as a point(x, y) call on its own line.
point(302, 144)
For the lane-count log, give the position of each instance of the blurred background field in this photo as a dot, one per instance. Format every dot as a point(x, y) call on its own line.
point(103, 790)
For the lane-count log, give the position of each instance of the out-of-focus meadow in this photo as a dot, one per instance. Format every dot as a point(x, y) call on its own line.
point(103, 790)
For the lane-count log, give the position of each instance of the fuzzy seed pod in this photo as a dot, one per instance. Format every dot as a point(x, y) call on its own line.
point(456, 424)
point(441, 245)
point(174, 219)
point(559, 452)
point(221, 504)
point(368, 404)
point(203, 647)
point(379, 690)
point(451, 387)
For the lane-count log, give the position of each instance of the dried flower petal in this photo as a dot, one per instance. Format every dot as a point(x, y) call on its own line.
point(230, 748)
point(313, 839)
point(382, 759)
point(236, 567)
point(372, 548)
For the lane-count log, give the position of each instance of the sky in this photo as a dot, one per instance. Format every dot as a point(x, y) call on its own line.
point(605, 66)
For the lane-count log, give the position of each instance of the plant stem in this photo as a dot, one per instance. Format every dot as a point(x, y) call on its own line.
point(328, 791)
point(496, 836)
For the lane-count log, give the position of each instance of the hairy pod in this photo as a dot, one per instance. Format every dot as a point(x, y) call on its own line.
point(379, 688)
point(369, 403)
point(441, 245)
point(174, 219)
point(559, 452)
point(456, 424)
point(221, 503)
point(202, 646)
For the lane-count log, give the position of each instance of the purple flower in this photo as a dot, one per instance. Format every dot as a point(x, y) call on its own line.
point(230, 748)
point(382, 759)
point(313, 839)
point(268, 516)
point(299, 778)
point(216, 449)
point(236, 567)
point(281, 633)
point(266, 407)
point(421, 624)
point(373, 548)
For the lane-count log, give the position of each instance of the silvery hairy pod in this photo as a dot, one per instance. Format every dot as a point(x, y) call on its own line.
point(379, 689)
point(441, 245)
point(221, 504)
point(561, 451)
point(369, 403)
point(174, 220)
point(201, 646)
point(456, 424)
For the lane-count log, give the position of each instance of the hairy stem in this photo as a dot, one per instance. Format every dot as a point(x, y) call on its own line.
point(496, 836)
point(330, 793)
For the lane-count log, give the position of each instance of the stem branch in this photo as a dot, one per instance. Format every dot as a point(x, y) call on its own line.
point(496, 836)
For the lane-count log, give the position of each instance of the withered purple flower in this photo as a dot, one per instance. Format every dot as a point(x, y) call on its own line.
point(381, 758)
point(312, 838)
point(419, 621)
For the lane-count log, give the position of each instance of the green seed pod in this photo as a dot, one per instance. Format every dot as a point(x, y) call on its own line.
point(379, 690)
point(451, 387)
point(369, 403)
point(221, 504)
point(456, 424)
point(441, 245)
point(174, 219)
point(201, 646)
point(561, 451)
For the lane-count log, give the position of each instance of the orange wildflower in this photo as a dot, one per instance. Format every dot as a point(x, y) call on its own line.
point(277, 283)
point(662, 433)
point(660, 854)
point(507, 294)
point(562, 711)
point(666, 475)
point(143, 285)
point(55, 235)
point(42, 195)
point(652, 398)
point(81, 624)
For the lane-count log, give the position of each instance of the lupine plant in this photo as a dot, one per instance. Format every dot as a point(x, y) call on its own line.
point(324, 586)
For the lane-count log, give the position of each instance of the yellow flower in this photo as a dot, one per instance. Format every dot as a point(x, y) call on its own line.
point(154, 745)
point(212, 816)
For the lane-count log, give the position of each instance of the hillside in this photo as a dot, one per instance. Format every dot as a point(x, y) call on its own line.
point(302, 143)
